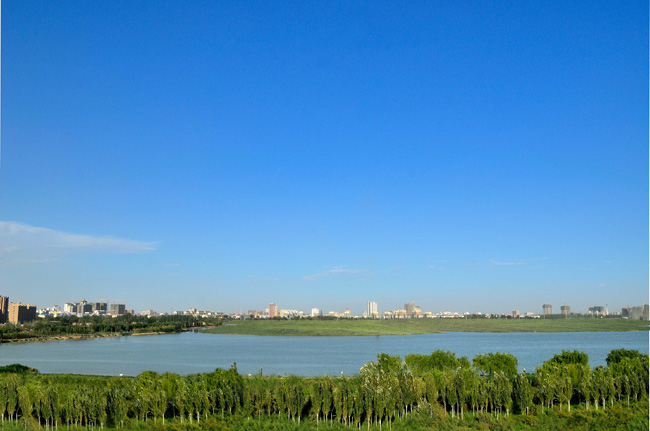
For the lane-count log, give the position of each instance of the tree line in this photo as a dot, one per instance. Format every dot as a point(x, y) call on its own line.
point(100, 325)
point(385, 390)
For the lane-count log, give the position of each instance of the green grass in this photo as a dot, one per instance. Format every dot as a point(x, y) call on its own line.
point(355, 327)
point(618, 417)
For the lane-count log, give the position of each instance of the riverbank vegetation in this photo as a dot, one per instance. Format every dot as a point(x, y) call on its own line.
point(69, 327)
point(437, 391)
point(355, 327)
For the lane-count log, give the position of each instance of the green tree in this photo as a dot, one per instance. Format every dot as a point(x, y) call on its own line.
point(26, 403)
point(569, 357)
point(490, 363)
point(117, 405)
point(522, 393)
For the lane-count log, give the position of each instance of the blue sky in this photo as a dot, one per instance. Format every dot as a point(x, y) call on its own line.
point(224, 155)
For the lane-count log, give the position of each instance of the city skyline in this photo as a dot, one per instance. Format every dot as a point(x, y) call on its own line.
point(325, 155)
point(371, 310)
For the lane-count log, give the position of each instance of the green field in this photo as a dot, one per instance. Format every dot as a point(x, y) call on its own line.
point(355, 327)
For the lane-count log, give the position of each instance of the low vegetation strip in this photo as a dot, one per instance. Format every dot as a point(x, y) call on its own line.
point(73, 327)
point(357, 327)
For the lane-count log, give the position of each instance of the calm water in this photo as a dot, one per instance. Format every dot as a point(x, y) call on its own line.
point(189, 353)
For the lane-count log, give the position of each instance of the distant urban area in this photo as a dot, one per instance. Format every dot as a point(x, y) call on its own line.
point(18, 313)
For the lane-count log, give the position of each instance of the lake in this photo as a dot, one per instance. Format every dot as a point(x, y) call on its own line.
point(188, 352)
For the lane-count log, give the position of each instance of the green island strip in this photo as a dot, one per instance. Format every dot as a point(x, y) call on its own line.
point(419, 392)
point(358, 327)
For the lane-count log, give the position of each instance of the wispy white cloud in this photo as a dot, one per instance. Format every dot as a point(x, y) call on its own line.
point(339, 270)
point(495, 263)
point(22, 243)
point(438, 267)
point(263, 277)
point(498, 263)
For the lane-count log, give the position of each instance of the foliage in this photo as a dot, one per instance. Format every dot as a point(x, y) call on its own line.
point(17, 369)
point(73, 326)
point(491, 363)
point(618, 355)
point(438, 360)
point(437, 391)
point(570, 357)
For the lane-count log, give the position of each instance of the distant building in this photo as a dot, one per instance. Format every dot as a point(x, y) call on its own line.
point(117, 309)
point(149, 313)
point(635, 313)
point(566, 310)
point(547, 309)
point(372, 310)
point(316, 312)
point(515, 313)
point(4, 309)
point(273, 309)
point(21, 313)
point(597, 310)
point(412, 310)
point(84, 307)
point(100, 307)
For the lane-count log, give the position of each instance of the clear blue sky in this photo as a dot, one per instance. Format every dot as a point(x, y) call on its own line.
point(484, 156)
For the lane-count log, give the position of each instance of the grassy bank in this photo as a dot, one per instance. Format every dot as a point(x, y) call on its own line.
point(630, 418)
point(355, 327)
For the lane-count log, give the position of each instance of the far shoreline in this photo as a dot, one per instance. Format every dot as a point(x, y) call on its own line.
point(358, 327)
point(78, 337)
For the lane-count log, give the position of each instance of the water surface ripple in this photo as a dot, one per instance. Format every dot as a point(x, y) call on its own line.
point(189, 353)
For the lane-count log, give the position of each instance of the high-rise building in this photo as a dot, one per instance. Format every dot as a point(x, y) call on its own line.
point(547, 309)
point(84, 307)
point(118, 309)
point(598, 310)
point(638, 312)
point(4, 309)
point(273, 309)
point(21, 313)
point(410, 308)
point(565, 309)
point(372, 310)
point(316, 312)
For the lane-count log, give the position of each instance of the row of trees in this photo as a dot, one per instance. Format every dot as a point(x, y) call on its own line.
point(385, 390)
point(94, 325)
